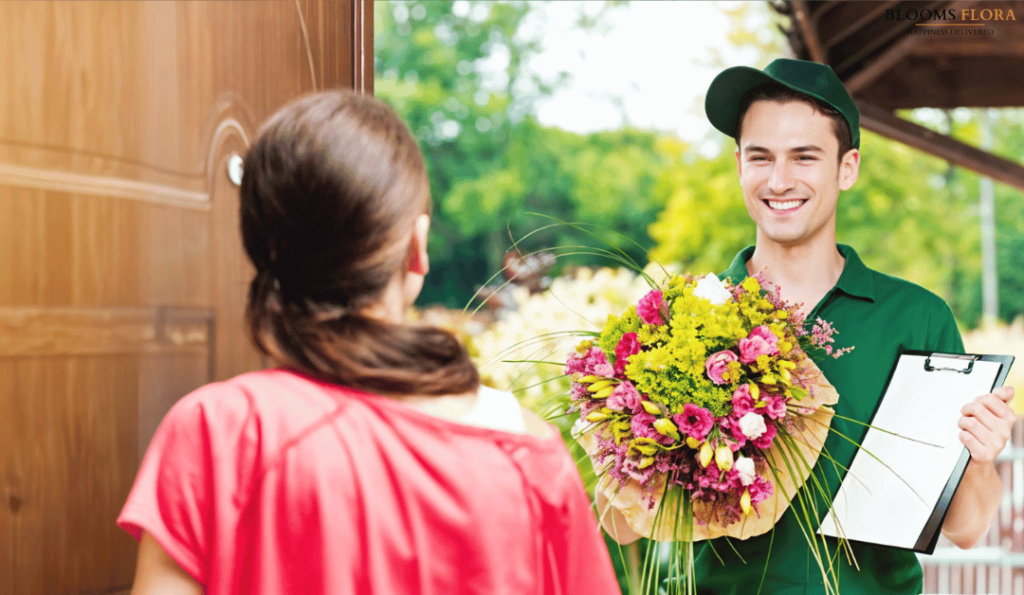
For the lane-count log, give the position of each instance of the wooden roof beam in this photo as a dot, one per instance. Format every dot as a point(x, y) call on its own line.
point(876, 37)
point(853, 20)
point(882, 63)
point(886, 59)
point(809, 32)
point(945, 147)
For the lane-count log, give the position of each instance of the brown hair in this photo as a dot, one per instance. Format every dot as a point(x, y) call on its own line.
point(329, 196)
point(783, 94)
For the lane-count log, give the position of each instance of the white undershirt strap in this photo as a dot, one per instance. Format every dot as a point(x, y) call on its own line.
point(498, 410)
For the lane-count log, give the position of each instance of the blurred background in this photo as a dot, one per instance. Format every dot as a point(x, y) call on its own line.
point(592, 113)
point(122, 280)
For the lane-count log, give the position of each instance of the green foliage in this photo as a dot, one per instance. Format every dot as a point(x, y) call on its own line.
point(704, 222)
point(456, 73)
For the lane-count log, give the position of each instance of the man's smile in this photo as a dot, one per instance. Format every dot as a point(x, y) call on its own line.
point(784, 204)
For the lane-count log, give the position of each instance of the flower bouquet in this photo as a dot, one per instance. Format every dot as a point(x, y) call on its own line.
point(701, 410)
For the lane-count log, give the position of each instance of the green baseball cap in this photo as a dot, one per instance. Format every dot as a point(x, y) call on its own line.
point(722, 102)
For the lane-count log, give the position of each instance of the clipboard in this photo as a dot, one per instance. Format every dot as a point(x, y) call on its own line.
point(889, 496)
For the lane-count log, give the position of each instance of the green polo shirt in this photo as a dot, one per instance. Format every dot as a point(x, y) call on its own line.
point(878, 315)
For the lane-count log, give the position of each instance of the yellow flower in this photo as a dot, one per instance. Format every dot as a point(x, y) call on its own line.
point(782, 314)
point(650, 407)
point(755, 391)
point(706, 453)
point(665, 427)
point(692, 442)
point(745, 502)
point(723, 457)
point(751, 285)
point(644, 446)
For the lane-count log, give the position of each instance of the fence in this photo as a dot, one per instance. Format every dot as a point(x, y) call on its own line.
point(996, 564)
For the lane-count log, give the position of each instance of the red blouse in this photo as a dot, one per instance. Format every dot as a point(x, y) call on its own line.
point(272, 482)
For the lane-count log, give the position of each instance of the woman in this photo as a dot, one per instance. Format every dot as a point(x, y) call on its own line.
point(370, 461)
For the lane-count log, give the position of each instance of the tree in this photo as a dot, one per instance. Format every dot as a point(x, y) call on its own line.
point(456, 72)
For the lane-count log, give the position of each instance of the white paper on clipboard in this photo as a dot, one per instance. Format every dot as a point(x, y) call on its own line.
point(888, 500)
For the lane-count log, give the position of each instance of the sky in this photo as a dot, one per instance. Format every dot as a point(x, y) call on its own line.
point(654, 56)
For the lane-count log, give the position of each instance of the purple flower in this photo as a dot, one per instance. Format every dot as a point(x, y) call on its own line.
point(694, 421)
point(628, 345)
point(717, 365)
point(759, 490)
point(642, 425)
point(760, 341)
point(650, 307)
point(591, 363)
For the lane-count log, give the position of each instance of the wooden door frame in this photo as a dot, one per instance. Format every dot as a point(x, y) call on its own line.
point(362, 46)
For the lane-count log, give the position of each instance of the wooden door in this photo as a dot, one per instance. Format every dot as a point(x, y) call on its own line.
point(122, 278)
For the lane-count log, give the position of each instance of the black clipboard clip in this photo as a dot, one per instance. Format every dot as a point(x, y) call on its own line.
point(970, 359)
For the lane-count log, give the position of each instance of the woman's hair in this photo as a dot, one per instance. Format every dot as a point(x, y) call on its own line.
point(330, 194)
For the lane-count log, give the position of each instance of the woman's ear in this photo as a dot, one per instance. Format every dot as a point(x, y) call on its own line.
point(419, 262)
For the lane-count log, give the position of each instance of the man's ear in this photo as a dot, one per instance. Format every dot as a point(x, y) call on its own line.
point(849, 169)
point(739, 163)
point(419, 262)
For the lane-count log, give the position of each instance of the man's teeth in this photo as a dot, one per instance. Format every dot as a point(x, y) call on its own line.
point(784, 205)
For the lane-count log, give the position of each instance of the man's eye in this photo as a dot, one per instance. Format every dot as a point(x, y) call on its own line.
point(807, 158)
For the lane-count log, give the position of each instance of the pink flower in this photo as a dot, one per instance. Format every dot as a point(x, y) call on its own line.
point(624, 398)
point(650, 307)
point(760, 341)
point(694, 421)
point(742, 401)
point(730, 426)
point(718, 363)
point(628, 345)
point(776, 406)
point(765, 440)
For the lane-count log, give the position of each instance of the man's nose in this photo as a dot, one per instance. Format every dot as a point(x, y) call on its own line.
point(780, 180)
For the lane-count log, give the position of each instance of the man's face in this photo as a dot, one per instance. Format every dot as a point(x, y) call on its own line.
point(789, 171)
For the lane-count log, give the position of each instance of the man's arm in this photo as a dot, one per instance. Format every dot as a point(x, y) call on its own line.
point(985, 426)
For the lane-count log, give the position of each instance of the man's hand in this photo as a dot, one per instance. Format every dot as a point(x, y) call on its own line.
point(986, 424)
point(985, 428)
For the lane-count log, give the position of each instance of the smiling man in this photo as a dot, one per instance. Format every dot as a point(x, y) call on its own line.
point(798, 138)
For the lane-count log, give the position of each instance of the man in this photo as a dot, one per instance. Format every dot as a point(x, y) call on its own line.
point(798, 137)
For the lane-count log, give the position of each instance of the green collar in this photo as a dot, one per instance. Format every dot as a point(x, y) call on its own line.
point(857, 280)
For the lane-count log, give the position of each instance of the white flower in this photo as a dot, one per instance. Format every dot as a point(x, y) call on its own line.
point(745, 467)
point(711, 289)
point(752, 425)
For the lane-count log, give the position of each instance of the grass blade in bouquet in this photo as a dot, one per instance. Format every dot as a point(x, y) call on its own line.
point(703, 413)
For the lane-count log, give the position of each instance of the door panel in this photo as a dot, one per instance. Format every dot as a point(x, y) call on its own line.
point(122, 279)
